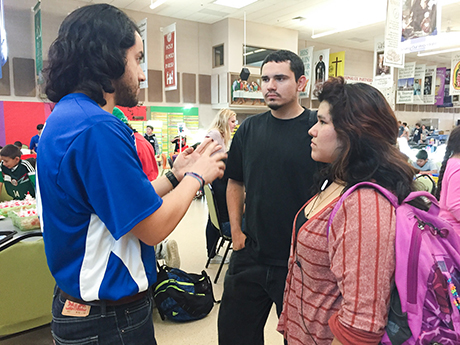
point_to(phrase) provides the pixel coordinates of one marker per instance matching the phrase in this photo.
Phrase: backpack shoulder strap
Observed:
(385, 192)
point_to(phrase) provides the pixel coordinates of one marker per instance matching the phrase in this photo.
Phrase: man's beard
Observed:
(125, 94)
(274, 106)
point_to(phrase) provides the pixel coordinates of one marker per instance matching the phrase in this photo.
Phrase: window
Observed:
(254, 56)
(218, 54)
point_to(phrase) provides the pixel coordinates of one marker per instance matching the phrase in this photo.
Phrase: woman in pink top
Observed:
(449, 181)
(339, 284)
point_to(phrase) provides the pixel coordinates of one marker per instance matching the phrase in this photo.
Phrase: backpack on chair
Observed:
(424, 307)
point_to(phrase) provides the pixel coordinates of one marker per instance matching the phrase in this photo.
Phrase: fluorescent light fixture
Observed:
(434, 52)
(326, 33)
(259, 50)
(345, 28)
(157, 3)
(234, 3)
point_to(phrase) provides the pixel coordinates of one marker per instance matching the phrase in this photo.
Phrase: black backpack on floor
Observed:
(181, 296)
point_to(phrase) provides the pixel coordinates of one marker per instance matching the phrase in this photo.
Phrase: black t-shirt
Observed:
(272, 158)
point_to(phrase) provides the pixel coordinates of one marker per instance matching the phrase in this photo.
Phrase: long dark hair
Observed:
(367, 130)
(453, 147)
(89, 52)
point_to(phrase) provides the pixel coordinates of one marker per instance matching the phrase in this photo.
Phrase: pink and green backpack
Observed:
(425, 305)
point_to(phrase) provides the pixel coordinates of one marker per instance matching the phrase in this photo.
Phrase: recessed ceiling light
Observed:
(234, 3)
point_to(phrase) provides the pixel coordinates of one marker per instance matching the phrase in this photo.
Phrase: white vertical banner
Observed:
(419, 83)
(321, 68)
(307, 57)
(142, 25)
(455, 74)
(170, 67)
(393, 27)
(383, 75)
(405, 93)
(429, 85)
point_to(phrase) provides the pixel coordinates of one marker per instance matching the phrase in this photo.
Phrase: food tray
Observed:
(24, 223)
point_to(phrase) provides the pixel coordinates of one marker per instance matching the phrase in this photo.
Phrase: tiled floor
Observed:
(191, 240)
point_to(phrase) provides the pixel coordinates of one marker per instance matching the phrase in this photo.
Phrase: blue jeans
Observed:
(125, 324)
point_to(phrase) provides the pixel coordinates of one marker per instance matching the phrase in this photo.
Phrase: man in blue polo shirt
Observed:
(100, 214)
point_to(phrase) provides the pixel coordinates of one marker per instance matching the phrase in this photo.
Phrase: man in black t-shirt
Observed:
(270, 170)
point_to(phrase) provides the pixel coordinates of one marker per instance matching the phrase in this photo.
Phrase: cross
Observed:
(337, 61)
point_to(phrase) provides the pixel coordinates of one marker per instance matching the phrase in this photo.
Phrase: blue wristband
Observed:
(199, 178)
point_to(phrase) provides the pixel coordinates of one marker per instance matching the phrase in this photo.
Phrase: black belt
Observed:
(99, 303)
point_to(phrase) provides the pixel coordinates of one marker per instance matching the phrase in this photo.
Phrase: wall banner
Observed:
(429, 85)
(170, 73)
(383, 75)
(307, 57)
(393, 56)
(455, 76)
(440, 84)
(405, 93)
(142, 25)
(337, 64)
(447, 100)
(320, 74)
(419, 83)
(420, 22)
(38, 43)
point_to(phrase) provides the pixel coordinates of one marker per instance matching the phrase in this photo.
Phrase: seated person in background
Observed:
(425, 165)
(18, 175)
(35, 139)
(18, 144)
(180, 143)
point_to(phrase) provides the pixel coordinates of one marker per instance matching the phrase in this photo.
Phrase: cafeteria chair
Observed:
(215, 220)
(26, 286)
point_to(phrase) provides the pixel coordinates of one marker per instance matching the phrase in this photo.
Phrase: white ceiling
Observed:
(320, 16)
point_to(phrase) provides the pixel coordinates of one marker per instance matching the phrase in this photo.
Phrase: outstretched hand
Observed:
(202, 161)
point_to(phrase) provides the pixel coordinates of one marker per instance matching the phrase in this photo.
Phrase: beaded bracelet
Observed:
(198, 177)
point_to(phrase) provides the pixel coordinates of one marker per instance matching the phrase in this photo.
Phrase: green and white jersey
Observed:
(19, 180)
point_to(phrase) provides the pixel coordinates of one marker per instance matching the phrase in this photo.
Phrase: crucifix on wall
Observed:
(336, 64)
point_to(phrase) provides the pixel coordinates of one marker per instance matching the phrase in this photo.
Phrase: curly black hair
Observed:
(89, 52)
